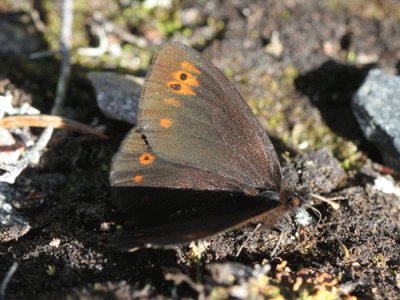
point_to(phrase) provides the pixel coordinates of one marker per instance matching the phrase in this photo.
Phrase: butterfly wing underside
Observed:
(195, 131)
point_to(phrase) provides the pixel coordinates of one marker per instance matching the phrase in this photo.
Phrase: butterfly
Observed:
(198, 162)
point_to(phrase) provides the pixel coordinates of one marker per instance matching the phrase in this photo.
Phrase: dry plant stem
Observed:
(248, 239)
(273, 253)
(42, 54)
(330, 201)
(37, 22)
(65, 45)
(6, 280)
(49, 121)
(346, 252)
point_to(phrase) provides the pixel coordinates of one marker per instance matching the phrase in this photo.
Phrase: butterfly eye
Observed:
(183, 76)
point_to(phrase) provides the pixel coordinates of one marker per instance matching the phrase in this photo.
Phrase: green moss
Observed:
(290, 73)
(219, 293)
(97, 287)
(351, 56)
(332, 5)
(218, 24)
(286, 14)
(296, 123)
(51, 270)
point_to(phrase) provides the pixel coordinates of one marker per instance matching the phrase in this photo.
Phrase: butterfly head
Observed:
(288, 197)
(292, 198)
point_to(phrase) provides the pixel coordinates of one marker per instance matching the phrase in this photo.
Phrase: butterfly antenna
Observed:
(248, 239)
(317, 212)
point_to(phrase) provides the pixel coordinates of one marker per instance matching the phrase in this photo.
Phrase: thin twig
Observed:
(44, 121)
(6, 279)
(37, 22)
(273, 253)
(65, 45)
(42, 54)
(248, 239)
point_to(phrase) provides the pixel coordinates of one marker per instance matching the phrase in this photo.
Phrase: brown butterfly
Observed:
(198, 161)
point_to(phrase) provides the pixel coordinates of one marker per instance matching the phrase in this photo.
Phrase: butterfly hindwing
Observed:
(177, 233)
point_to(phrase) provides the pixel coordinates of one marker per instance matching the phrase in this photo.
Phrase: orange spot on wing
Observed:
(146, 159)
(180, 88)
(138, 178)
(166, 123)
(190, 68)
(185, 78)
(172, 101)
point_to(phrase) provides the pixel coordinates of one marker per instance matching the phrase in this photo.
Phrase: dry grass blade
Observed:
(49, 121)
(330, 201)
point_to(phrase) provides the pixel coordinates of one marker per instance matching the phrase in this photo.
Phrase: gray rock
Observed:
(8, 214)
(117, 95)
(376, 106)
(317, 171)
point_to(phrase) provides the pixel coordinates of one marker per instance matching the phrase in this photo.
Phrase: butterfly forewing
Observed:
(198, 129)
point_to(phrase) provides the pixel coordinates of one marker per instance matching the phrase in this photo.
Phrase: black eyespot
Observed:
(183, 76)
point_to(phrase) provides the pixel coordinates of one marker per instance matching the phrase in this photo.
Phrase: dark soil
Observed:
(303, 94)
